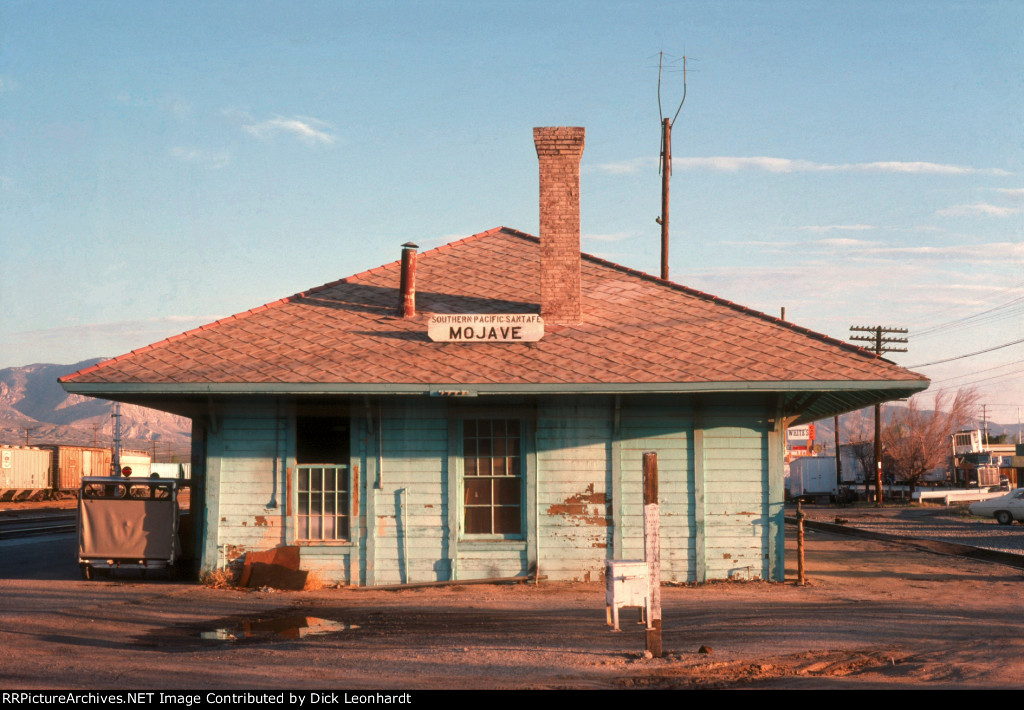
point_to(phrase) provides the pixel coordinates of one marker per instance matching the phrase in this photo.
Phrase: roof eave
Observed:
(113, 389)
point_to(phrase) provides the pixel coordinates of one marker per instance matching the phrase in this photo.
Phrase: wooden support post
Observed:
(652, 551)
(801, 580)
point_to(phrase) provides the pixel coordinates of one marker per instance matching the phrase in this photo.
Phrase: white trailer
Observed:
(813, 477)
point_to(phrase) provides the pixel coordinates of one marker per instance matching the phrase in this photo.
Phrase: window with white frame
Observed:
(492, 478)
(323, 483)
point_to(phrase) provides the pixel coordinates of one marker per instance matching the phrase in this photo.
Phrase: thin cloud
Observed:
(212, 160)
(820, 229)
(993, 252)
(613, 237)
(980, 209)
(170, 103)
(1017, 192)
(309, 130)
(844, 242)
(732, 164)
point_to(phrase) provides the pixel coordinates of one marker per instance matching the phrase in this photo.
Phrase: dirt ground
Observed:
(874, 615)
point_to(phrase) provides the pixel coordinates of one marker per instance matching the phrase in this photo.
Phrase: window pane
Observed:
(478, 521)
(506, 491)
(506, 520)
(492, 477)
(322, 503)
(478, 492)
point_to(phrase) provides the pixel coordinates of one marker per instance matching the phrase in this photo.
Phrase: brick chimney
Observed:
(559, 150)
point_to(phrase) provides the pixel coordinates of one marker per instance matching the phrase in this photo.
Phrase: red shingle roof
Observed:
(636, 329)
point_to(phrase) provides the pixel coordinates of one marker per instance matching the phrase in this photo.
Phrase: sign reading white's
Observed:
(485, 328)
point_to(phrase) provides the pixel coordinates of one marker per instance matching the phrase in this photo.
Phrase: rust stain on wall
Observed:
(579, 508)
(261, 521)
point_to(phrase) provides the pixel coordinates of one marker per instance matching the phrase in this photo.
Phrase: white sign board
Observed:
(485, 328)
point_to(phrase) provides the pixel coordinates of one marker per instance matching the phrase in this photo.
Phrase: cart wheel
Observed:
(172, 572)
(86, 571)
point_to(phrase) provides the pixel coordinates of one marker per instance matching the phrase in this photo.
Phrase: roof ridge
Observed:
(735, 306)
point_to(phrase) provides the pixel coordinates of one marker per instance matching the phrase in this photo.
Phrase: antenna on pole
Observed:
(665, 167)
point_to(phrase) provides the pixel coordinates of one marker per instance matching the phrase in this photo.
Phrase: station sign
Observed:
(485, 328)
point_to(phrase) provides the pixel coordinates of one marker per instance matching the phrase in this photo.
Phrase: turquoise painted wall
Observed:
(720, 492)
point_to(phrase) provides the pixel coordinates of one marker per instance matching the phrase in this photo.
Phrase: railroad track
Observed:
(28, 524)
(942, 547)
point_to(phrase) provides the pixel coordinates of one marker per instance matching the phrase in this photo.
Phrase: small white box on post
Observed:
(626, 585)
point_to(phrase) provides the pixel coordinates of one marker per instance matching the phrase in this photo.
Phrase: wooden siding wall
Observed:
(574, 488)
(247, 450)
(720, 492)
(667, 430)
(736, 513)
(410, 518)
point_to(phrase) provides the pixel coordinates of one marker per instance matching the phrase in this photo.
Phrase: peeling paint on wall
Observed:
(261, 521)
(580, 508)
(233, 552)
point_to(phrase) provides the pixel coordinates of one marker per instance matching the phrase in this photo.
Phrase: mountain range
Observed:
(35, 409)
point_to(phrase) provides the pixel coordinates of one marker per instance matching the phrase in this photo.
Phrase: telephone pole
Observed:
(665, 167)
(881, 342)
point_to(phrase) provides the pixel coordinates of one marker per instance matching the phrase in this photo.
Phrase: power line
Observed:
(961, 357)
(1011, 363)
(965, 320)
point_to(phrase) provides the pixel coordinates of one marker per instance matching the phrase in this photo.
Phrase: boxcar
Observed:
(70, 463)
(24, 472)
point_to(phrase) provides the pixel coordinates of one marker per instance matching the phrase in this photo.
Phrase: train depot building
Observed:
(480, 410)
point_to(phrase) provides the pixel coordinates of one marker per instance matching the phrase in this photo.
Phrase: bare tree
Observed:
(859, 434)
(915, 441)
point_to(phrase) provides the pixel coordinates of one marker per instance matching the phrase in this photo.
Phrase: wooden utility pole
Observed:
(839, 465)
(666, 171)
(652, 551)
(881, 346)
(801, 578)
(665, 167)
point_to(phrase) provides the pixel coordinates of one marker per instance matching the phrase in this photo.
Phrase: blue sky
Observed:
(164, 164)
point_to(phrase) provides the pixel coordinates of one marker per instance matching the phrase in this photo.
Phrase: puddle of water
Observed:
(283, 627)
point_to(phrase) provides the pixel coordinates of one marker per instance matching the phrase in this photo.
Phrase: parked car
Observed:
(1005, 509)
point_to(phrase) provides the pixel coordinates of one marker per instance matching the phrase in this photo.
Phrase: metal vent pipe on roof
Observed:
(407, 288)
